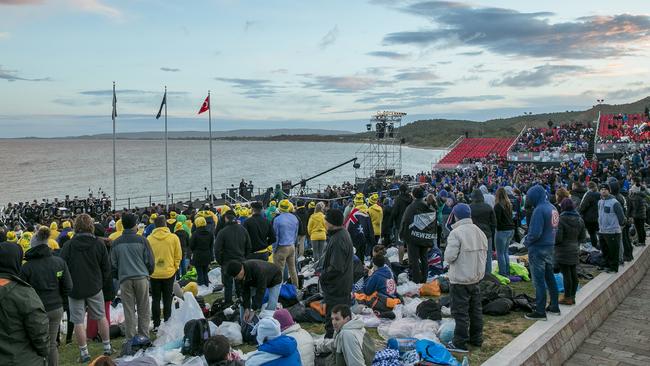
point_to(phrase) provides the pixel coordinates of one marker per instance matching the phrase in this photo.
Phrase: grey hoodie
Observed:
(487, 196)
(351, 345)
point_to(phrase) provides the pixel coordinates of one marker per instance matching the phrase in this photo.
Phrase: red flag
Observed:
(206, 105)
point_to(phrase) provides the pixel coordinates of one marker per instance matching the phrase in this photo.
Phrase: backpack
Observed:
(247, 331)
(196, 332)
(429, 309)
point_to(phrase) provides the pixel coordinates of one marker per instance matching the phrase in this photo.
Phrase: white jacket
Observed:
(466, 253)
(305, 343)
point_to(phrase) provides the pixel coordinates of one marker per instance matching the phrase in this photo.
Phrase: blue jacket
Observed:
(283, 346)
(544, 221)
(381, 281)
(285, 227)
(147, 230)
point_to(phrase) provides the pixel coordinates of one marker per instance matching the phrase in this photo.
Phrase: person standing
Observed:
(286, 226)
(505, 230)
(24, 336)
(466, 253)
(317, 231)
(337, 274)
(570, 234)
(260, 232)
(167, 255)
(610, 222)
(402, 201)
(376, 214)
(133, 262)
(637, 211)
(359, 227)
(626, 245)
(202, 248)
(233, 243)
(303, 216)
(589, 211)
(50, 278)
(89, 265)
(418, 230)
(483, 216)
(540, 242)
(184, 237)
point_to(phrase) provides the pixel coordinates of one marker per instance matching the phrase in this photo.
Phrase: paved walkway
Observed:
(624, 338)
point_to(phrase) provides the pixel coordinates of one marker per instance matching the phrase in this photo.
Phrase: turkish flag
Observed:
(206, 105)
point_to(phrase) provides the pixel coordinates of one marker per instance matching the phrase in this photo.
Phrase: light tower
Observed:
(381, 155)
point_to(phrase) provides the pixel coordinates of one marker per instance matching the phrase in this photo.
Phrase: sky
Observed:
(310, 64)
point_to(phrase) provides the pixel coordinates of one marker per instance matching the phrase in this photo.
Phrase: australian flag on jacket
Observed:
(359, 226)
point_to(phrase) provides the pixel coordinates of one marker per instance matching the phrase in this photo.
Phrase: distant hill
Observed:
(156, 135)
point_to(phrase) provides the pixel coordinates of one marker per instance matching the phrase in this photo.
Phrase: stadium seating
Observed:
(477, 148)
(623, 128)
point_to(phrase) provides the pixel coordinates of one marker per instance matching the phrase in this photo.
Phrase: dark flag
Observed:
(162, 104)
(114, 103)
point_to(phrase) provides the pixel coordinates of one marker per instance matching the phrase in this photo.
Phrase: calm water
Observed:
(35, 169)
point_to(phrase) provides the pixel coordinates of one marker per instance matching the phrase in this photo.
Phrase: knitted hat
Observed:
(285, 206)
(200, 222)
(67, 224)
(334, 217)
(567, 205)
(54, 226)
(373, 199)
(462, 211)
(267, 328)
(359, 200)
(311, 204)
(152, 218)
(11, 237)
(284, 318)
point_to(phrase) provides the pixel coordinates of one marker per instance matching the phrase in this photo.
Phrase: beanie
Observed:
(311, 204)
(267, 328)
(358, 200)
(334, 217)
(200, 222)
(418, 192)
(284, 318)
(373, 199)
(567, 205)
(285, 206)
(129, 221)
(67, 224)
(54, 226)
(462, 211)
(272, 203)
(11, 237)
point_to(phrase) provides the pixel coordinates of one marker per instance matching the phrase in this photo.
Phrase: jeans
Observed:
(135, 295)
(161, 288)
(570, 277)
(54, 317)
(592, 229)
(202, 275)
(467, 313)
(300, 246)
(286, 255)
(639, 224)
(419, 262)
(488, 260)
(182, 269)
(503, 258)
(271, 303)
(228, 284)
(541, 265)
(610, 245)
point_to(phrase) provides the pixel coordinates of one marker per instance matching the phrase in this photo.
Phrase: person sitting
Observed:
(274, 348)
(351, 344)
(380, 279)
(295, 331)
(217, 352)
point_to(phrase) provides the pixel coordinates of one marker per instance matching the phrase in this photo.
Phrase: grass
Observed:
(498, 331)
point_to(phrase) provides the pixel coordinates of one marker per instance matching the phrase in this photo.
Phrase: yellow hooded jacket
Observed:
(118, 231)
(167, 252)
(316, 227)
(54, 230)
(376, 214)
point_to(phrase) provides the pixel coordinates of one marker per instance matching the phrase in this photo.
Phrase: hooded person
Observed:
(571, 232)
(151, 225)
(54, 230)
(380, 279)
(611, 219)
(119, 228)
(294, 330)
(184, 237)
(359, 225)
(637, 212)
(487, 196)
(418, 230)
(540, 242)
(588, 209)
(274, 348)
(63, 236)
(171, 221)
(466, 253)
(376, 214)
(626, 244)
(24, 336)
(484, 217)
(271, 211)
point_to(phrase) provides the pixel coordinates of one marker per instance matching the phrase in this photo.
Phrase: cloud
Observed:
(12, 75)
(539, 76)
(279, 71)
(329, 38)
(169, 69)
(342, 84)
(419, 96)
(105, 92)
(414, 75)
(20, 2)
(473, 53)
(97, 7)
(128, 96)
(510, 32)
(627, 94)
(252, 88)
(4, 35)
(389, 54)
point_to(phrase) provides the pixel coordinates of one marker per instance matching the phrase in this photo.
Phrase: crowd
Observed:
(566, 138)
(468, 216)
(624, 128)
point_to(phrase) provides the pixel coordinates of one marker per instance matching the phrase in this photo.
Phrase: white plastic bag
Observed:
(406, 328)
(232, 331)
(195, 361)
(117, 314)
(402, 278)
(370, 320)
(173, 329)
(411, 306)
(214, 276)
(409, 289)
(446, 330)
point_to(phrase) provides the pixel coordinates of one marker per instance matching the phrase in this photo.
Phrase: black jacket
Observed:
(185, 242)
(232, 243)
(88, 262)
(401, 203)
(303, 218)
(201, 246)
(48, 275)
(387, 222)
(259, 275)
(570, 233)
(636, 206)
(419, 224)
(338, 269)
(504, 218)
(482, 214)
(589, 207)
(260, 232)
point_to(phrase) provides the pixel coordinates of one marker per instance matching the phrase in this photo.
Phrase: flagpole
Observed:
(114, 170)
(210, 127)
(166, 170)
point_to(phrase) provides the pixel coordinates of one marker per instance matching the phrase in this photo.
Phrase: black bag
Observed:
(523, 302)
(444, 284)
(301, 314)
(429, 309)
(133, 345)
(500, 306)
(247, 331)
(115, 331)
(196, 332)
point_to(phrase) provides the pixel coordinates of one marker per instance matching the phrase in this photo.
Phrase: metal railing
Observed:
(515, 140)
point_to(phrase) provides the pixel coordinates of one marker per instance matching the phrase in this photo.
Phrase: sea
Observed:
(48, 168)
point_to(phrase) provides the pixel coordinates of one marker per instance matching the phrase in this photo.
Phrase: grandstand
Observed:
(623, 128)
(475, 148)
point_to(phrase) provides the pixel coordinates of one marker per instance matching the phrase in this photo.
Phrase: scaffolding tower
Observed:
(381, 156)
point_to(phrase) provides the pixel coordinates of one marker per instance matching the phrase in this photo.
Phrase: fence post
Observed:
(149, 200)
(129, 202)
(172, 198)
